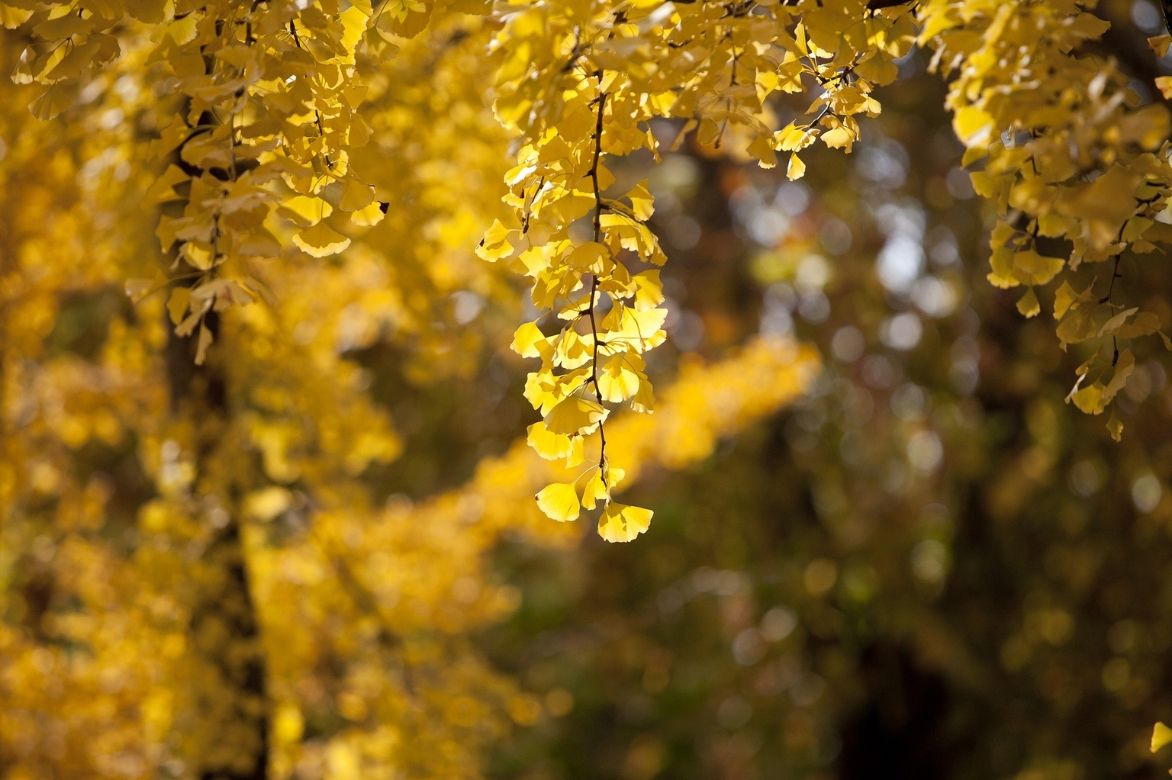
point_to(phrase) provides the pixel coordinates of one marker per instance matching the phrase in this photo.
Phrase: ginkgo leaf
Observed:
(573, 350)
(648, 289)
(599, 482)
(529, 341)
(321, 240)
(1164, 84)
(762, 150)
(1103, 206)
(559, 501)
(794, 139)
(1122, 370)
(355, 195)
(622, 523)
(305, 210)
(1089, 400)
(617, 379)
(644, 400)
(642, 204)
(369, 215)
(548, 444)
(796, 169)
(1028, 304)
(633, 235)
(1117, 321)
(1064, 298)
(879, 70)
(1031, 268)
(198, 255)
(590, 256)
(632, 329)
(1077, 326)
(575, 415)
(177, 304)
(162, 188)
(138, 289)
(839, 138)
(495, 243)
(973, 125)
(51, 102)
(595, 489)
(1161, 736)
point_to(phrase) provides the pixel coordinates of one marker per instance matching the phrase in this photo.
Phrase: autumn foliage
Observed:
(314, 316)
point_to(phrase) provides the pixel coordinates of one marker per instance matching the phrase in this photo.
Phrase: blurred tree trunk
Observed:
(230, 698)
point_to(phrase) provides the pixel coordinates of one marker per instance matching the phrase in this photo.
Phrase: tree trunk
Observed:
(230, 698)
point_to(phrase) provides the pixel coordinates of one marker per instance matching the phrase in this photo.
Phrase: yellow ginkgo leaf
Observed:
(595, 489)
(632, 329)
(590, 257)
(642, 204)
(369, 215)
(177, 303)
(648, 289)
(796, 168)
(548, 444)
(321, 240)
(1161, 736)
(793, 139)
(839, 138)
(622, 523)
(305, 210)
(495, 243)
(972, 125)
(1064, 297)
(559, 501)
(355, 195)
(617, 379)
(529, 341)
(1028, 304)
(573, 350)
(575, 415)
(1031, 268)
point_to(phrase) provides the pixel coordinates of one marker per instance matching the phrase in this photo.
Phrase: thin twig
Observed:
(593, 174)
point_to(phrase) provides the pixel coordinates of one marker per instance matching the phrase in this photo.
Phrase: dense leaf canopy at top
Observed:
(218, 559)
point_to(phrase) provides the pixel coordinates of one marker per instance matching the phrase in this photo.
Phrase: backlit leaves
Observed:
(270, 139)
(1063, 151)
(620, 523)
(580, 84)
(559, 501)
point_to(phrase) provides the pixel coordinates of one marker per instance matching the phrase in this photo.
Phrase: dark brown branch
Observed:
(593, 174)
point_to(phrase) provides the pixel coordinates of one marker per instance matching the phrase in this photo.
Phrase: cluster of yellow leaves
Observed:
(440, 302)
(264, 140)
(254, 122)
(594, 358)
(70, 618)
(581, 84)
(336, 581)
(105, 676)
(1068, 155)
